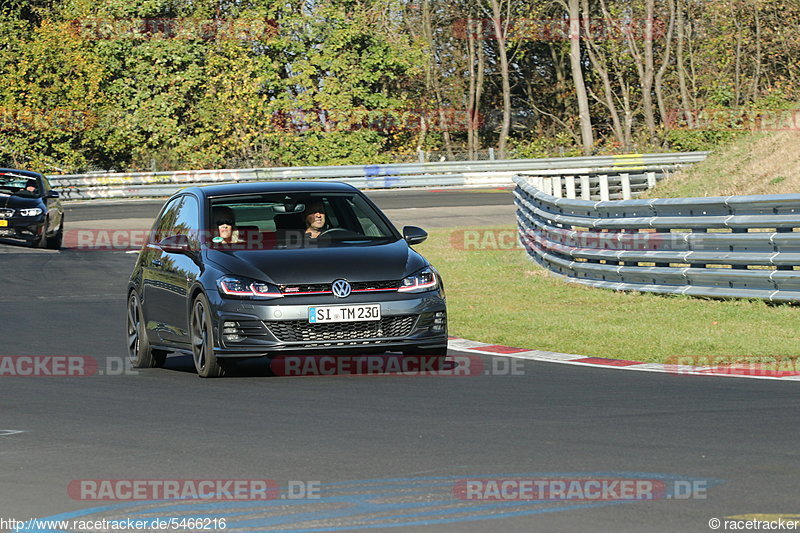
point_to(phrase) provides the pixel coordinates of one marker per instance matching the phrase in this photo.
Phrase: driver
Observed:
(225, 223)
(314, 216)
(30, 186)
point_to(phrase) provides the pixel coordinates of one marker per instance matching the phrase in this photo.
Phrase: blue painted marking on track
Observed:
(361, 496)
(447, 520)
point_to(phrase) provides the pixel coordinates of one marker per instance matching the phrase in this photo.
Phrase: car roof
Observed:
(270, 187)
(18, 172)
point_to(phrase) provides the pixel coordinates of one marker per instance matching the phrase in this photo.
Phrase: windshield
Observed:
(18, 183)
(297, 220)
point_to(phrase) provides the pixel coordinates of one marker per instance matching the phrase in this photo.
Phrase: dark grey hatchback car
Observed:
(261, 269)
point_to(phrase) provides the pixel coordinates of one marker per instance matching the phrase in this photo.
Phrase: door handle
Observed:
(156, 262)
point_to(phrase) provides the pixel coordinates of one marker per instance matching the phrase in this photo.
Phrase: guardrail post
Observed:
(586, 189)
(604, 196)
(556, 181)
(491, 154)
(667, 236)
(651, 179)
(570, 183)
(626, 186)
(421, 155)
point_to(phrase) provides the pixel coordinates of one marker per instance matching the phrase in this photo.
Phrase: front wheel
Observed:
(40, 241)
(205, 361)
(54, 242)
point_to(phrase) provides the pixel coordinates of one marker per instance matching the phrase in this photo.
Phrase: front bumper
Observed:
(247, 328)
(26, 228)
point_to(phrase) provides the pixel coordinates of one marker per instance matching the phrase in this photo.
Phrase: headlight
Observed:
(424, 280)
(244, 288)
(34, 211)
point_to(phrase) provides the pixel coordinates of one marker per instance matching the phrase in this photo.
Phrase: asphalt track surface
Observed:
(388, 452)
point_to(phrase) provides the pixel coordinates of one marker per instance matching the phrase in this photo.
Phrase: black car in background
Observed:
(29, 209)
(261, 269)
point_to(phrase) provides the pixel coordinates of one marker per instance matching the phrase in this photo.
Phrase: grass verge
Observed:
(757, 163)
(502, 297)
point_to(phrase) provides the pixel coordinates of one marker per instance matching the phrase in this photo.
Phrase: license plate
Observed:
(3, 223)
(344, 313)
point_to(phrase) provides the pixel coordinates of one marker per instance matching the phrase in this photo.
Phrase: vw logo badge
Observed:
(341, 289)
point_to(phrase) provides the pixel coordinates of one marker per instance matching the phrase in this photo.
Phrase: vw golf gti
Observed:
(247, 270)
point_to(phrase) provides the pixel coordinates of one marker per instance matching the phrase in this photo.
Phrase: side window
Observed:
(368, 227)
(163, 226)
(45, 185)
(187, 221)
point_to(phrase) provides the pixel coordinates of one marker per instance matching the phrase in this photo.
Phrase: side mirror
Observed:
(52, 194)
(176, 244)
(414, 235)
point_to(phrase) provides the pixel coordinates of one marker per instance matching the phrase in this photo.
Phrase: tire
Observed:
(54, 242)
(159, 357)
(202, 336)
(140, 355)
(41, 240)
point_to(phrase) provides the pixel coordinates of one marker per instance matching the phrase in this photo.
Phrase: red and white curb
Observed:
(780, 371)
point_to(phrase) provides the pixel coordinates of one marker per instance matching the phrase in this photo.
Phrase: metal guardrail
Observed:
(736, 246)
(600, 183)
(448, 173)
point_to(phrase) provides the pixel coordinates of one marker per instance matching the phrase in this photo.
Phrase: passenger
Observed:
(225, 224)
(314, 216)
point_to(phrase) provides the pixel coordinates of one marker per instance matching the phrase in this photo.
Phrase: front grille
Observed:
(289, 290)
(375, 285)
(303, 331)
(6, 213)
(325, 288)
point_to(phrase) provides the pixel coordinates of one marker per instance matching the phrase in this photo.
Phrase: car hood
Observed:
(321, 265)
(18, 202)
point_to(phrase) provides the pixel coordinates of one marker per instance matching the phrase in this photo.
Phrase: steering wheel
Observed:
(332, 232)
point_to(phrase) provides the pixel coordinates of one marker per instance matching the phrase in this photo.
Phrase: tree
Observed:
(587, 135)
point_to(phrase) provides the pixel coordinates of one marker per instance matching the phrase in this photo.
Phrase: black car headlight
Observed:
(31, 212)
(247, 288)
(424, 280)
